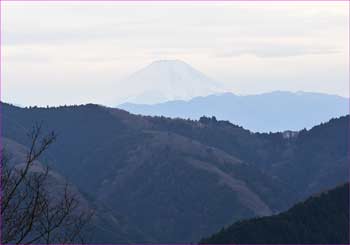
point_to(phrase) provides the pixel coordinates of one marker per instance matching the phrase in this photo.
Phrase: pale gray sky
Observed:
(66, 52)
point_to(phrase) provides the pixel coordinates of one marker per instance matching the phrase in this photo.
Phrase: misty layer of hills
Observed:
(162, 180)
(173, 88)
(321, 219)
(275, 111)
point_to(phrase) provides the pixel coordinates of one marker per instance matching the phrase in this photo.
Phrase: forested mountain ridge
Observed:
(164, 176)
(321, 219)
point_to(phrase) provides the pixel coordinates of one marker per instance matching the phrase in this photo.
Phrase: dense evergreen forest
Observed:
(321, 219)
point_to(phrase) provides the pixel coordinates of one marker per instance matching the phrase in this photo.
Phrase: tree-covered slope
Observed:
(160, 181)
(321, 219)
(165, 176)
(318, 158)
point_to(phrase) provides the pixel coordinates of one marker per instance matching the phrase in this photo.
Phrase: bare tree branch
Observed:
(30, 212)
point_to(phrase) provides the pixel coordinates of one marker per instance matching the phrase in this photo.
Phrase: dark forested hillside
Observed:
(156, 179)
(317, 158)
(321, 219)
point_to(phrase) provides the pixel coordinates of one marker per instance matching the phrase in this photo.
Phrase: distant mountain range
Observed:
(165, 80)
(161, 180)
(269, 112)
(321, 219)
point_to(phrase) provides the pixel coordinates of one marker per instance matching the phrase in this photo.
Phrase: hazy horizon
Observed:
(214, 94)
(68, 53)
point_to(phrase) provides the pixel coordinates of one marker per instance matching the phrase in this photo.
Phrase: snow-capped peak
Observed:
(165, 80)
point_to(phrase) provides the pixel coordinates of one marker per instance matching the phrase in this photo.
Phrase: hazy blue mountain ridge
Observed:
(275, 111)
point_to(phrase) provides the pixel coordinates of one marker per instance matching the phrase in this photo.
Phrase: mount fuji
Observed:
(167, 80)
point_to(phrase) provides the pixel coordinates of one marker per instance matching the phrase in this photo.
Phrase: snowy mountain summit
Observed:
(166, 80)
